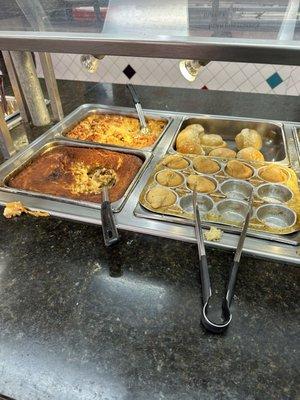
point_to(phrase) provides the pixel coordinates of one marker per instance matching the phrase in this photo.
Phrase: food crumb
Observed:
(16, 208)
(213, 235)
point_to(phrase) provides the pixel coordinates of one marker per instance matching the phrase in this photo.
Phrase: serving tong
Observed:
(144, 129)
(204, 273)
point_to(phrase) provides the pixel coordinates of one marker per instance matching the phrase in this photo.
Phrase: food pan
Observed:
(116, 206)
(229, 196)
(84, 111)
(272, 133)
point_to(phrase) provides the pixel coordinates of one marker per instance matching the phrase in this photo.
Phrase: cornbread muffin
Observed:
(205, 165)
(223, 152)
(79, 173)
(210, 141)
(169, 178)
(120, 130)
(200, 184)
(238, 170)
(248, 138)
(250, 154)
(175, 161)
(160, 197)
(273, 173)
(188, 140)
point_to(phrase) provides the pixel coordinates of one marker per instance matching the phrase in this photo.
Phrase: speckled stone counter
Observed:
(78, 321)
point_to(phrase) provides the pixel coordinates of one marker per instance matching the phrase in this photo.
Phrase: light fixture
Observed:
(191, 68)
(90, 62)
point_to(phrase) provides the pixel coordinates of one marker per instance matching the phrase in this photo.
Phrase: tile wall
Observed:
(243, 77)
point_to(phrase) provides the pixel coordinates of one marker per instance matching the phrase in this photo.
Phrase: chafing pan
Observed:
(272, 133)
(116, 206)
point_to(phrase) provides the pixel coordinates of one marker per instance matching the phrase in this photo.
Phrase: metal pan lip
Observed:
(130, 112)
(54, 142)
(238, 182)
(270, 199)
(206, 173)
(210, 177)
(241, 179)
(287, 173)
(169, 169)
(165, 187)
(278, 206)
(178, 169)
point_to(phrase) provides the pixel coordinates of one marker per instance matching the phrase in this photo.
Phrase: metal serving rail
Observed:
(127, 218)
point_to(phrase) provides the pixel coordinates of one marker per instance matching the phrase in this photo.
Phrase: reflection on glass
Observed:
(246, 19)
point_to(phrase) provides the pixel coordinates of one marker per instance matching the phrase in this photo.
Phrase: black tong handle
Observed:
(109, 229)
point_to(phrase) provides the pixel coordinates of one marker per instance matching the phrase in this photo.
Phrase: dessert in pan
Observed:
(224, 186)
(78, 173)
(119, 130)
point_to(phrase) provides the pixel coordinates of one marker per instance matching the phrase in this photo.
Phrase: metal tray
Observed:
(131, 217)
(297, 140)
(274, 143)
(256, 229)
(83, 111)
(116, 206)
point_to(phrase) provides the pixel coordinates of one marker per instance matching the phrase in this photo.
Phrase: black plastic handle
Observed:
(133, 93)
(109, 229)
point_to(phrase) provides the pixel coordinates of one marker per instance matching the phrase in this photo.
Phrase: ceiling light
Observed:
(90, 63)
(191, 68)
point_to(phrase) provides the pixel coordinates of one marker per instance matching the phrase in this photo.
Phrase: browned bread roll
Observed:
(238, 170)
(205, 165)
(200, 184)
(248, 138)
(223, 152)
(188, 140)
(250, 154)
(273, 173)
(160, 197)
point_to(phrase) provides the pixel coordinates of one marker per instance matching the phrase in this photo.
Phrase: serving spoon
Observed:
(144, 129)
(109, 229)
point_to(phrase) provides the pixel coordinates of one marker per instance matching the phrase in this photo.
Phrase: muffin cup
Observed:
(176, 172)
(204, 176)
(232, 211)
(276, 216)
(207, 173)
(234, 177)
(274, 183)
(204, 202)
(166, 187)
(236, 189)
(274, 193)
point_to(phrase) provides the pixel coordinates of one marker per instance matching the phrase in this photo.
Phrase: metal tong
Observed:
(204, 273)
(144, 128)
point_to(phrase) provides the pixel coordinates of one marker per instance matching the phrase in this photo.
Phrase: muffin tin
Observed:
(275, 205)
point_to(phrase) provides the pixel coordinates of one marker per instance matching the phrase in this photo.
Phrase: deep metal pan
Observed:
(116, 206)
(273, 136)
(83, 111)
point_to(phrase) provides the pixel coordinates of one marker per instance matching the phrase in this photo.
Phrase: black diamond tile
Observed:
(129, 71)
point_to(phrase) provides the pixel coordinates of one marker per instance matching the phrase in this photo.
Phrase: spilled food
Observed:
(16, 208)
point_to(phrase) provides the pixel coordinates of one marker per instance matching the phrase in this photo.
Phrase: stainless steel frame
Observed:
(219, 49)
(126, 219)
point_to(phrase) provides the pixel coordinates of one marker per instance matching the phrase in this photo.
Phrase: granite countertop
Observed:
(78, 321)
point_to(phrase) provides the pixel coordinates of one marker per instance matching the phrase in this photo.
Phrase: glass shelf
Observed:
(247, 30)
